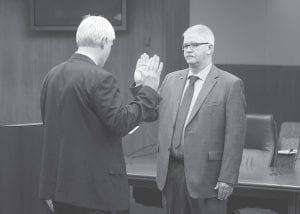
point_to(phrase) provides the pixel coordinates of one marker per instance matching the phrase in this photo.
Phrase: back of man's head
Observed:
(93, 31)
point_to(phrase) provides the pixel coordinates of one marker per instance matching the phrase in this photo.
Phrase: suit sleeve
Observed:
(235, 131)
(43, 99)
(153, 114)
(118, 117)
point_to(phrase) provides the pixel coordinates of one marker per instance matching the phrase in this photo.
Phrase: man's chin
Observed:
(190, 61)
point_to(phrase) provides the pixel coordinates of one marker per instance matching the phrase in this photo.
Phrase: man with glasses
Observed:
(202, 126)
(83, 168)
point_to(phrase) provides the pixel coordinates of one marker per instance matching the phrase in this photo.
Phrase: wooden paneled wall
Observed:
(270, 89)
(154, 27)
(172, 21)
(26, 56)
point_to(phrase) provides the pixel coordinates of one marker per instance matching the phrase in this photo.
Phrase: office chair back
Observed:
(261, 140)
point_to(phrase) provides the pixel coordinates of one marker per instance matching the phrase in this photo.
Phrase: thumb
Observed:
(217, 186)
(161, 65)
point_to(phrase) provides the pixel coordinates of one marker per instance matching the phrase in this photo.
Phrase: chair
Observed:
(289, 139)
(20, 157)
(260, 150)
(261, 140)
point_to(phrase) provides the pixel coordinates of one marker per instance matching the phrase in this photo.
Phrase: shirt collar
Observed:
(88, 56)
(202, 74)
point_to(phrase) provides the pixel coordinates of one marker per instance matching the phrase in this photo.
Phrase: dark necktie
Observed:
(183, 111)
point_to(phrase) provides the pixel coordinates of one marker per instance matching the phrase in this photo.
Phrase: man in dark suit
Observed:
(83, 169)
(202, 127)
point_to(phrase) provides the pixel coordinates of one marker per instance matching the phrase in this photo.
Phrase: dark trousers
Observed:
(62, 208)
(176, 199)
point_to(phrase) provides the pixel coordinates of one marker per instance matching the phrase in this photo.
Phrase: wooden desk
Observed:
(273, 181)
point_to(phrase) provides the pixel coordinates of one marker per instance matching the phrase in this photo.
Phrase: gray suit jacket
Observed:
(214, 134)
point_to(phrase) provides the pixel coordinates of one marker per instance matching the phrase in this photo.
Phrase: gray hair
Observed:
(203, 31)
(93, 31)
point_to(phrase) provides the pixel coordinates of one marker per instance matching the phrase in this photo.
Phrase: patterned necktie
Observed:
(183, 111)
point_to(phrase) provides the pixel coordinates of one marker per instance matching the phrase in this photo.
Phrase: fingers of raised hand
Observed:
(154, 64)
(150, 64)
(138, 62)
(161, 65)
(144, 58)
(142, 61)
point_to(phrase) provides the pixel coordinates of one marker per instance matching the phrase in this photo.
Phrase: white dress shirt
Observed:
(197, 87)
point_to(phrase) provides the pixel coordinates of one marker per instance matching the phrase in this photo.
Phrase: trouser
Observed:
(63, 208)
(176, 199)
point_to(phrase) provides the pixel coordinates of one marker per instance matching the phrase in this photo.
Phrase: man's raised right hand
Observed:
(150, 75)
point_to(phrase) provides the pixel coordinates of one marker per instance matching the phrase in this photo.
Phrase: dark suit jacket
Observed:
(84, 120)
(214, 134)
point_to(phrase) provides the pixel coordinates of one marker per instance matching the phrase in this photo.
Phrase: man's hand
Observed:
(148, 71)
(141, 66)
(224, 190)
(151, 75)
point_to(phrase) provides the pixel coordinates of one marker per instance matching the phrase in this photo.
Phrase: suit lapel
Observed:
(208, 84)
(179, 84)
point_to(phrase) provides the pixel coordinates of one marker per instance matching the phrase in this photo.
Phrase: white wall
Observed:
(261, 32)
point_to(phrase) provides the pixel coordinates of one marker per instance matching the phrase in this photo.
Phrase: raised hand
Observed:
(151, 74)
(141, 66)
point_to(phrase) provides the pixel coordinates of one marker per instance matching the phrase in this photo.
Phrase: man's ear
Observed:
(210, 49)
(103, 42)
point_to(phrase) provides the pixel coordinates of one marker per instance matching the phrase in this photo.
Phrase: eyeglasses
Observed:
(193, 45)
